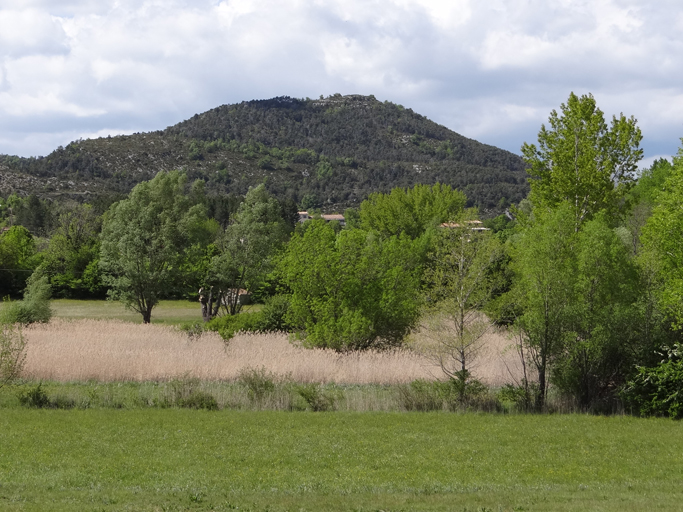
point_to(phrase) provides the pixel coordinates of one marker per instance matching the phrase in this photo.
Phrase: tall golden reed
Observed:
(112, 350)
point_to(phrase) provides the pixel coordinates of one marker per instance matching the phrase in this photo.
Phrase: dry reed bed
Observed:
(111, 350)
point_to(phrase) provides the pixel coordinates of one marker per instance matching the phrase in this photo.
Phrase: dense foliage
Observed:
(147, 238)
(579, 160)
(350, 290)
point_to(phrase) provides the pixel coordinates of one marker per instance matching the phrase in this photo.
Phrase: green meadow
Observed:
(110, 453)
(174, 459)
(167, 312)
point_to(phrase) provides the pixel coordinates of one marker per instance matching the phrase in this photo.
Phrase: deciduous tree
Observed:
(351, 290)
(545, 270)
(579, 159)
(411, 211)
(245, 251)
(459, 284)
(145, 239)
(662, 237)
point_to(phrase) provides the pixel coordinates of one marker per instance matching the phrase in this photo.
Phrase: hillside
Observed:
(328, 153)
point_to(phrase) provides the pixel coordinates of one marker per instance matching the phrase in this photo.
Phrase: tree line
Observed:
(585, 275)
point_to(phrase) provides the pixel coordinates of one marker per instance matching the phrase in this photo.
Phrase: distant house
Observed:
(475, 225)
(304, 216)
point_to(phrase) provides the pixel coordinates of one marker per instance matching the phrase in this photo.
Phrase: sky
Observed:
(490, 70)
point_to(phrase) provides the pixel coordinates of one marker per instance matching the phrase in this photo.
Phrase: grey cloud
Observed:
(491, 70)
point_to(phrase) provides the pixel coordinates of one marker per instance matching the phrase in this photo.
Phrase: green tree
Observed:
(545, 266)
(245, 252)
(73, 252)
(651, 182)
(599, 353)
(351, 290)
(146, 239)
(35, 306)
(579, 159)
(411, 211)
(459, 285)
(662, 235)
(18, 259)
(34, 214)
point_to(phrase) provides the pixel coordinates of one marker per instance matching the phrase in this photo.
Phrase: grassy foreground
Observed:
(195, 460)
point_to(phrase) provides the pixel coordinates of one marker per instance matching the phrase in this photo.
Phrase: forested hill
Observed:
(328, 153)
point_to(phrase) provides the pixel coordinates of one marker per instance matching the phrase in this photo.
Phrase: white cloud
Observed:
(490, 70)
(30, 32)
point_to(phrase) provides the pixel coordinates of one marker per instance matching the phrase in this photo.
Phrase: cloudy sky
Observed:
(491, 70)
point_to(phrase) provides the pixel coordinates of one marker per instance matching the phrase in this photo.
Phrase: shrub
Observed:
(199, 400)
(192, 329)
(185, 393)
(274, 312)
(422, 395)
(522, 397)
(229, 325)
(35, 397)
(453, 394)
(35, 307)
(658, 391)
(259, 382)
(12, 353)
(317, 398)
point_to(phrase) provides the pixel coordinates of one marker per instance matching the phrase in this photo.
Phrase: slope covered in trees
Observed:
(329, 153)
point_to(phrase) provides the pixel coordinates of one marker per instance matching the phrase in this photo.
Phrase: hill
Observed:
(328, 153)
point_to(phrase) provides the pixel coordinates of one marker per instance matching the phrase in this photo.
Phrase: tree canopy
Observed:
(579, 159)
(351, 290)
(145, 240)
(411, 211)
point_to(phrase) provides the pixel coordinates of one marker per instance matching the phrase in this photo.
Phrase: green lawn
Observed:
(167, 312)
(196, 460)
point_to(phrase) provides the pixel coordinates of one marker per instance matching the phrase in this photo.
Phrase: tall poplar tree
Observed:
(582, 160)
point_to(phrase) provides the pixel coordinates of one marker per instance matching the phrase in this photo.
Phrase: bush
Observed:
(35, 397)
(35, 307)
(453, 394)
(184, 393)
(192, 329)
(422, 395)
(522, 397)
(317, 398)
(12, 353)
(229, 325)
(259, 382)
(274, 312)
(658, 391)
(199, 400)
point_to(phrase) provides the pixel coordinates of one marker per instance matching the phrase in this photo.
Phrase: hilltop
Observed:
(328, 153)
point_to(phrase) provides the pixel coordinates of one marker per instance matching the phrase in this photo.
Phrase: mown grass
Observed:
(167, 312)
(196, 460)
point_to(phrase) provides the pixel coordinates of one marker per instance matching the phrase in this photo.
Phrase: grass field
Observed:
(125, 445)
(195, 460)
(166, 312)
